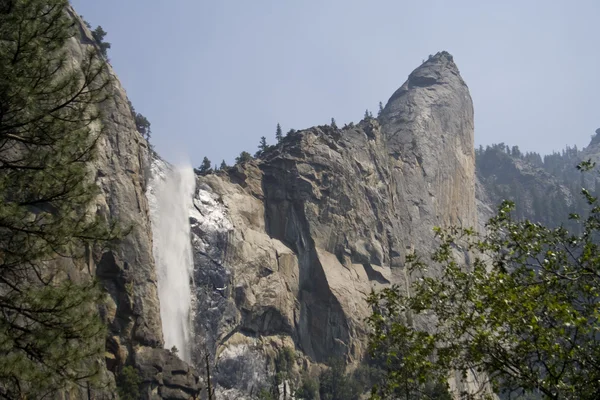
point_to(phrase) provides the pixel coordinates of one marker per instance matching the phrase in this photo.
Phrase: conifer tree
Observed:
(98, 34)
(368, 114)
(141, 122)
(380, 111)
(50, 334)
(243, 157)
(278, 133)
(223, 165)
(205, 166)
(262, 146)
(333, 124)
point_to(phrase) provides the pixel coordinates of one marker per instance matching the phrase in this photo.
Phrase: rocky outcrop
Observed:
(287, 247)
(127, 269)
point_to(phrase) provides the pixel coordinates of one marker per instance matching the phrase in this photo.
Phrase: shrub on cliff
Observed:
(128, 384)
(98, 34)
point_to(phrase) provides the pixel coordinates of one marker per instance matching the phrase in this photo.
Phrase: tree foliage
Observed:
(141, 123)
(205, 167)
(128, 384)
(523, 312)
(262, 147)
(49, 125)
(278, 133)
(243, 157)
(98, 34)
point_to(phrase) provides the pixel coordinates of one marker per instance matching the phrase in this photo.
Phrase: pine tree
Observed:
(368, 114)
(205, 166)
(333, 124)
(380, 111)
(141, 123)
(223, 165)
(278, 133)
(50, 334)
(98, 34)
(291, 132)
(243, 157)
(262, 146)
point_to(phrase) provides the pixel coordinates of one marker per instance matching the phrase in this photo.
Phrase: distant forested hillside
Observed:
(547, 188)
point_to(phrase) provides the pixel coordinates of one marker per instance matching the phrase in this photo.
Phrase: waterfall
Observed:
(170, 195)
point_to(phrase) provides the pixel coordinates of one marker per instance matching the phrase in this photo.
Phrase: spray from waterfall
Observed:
(171, 197)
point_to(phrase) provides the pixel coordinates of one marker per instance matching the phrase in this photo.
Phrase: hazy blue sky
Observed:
(214, 76)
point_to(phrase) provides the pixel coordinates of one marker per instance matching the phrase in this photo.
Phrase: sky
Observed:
(214, 76)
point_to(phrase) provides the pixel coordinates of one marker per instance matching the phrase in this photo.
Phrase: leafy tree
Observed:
(243, 157)
(380, 111)
(128, 384)
(98, 34)
(205, 166)
(333, 124)
(524, 312)
(278, 134)
(50, 333)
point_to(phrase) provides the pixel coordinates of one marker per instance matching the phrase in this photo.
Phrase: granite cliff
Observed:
(127, 270)
(287, 246)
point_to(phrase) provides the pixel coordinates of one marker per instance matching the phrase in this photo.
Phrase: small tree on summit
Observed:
(262, 147)
(380, 110)
(368, 114)
(205, 167)
(243, 157)
(333, 124)
(278, 134)
(223, 165)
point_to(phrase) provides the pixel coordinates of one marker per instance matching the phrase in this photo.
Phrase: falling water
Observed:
(170, 195)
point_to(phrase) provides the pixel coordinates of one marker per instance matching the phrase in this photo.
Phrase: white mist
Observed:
(170, 194)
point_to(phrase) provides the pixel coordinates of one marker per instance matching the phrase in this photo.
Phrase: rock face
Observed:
(288, 247)
(127, 270)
